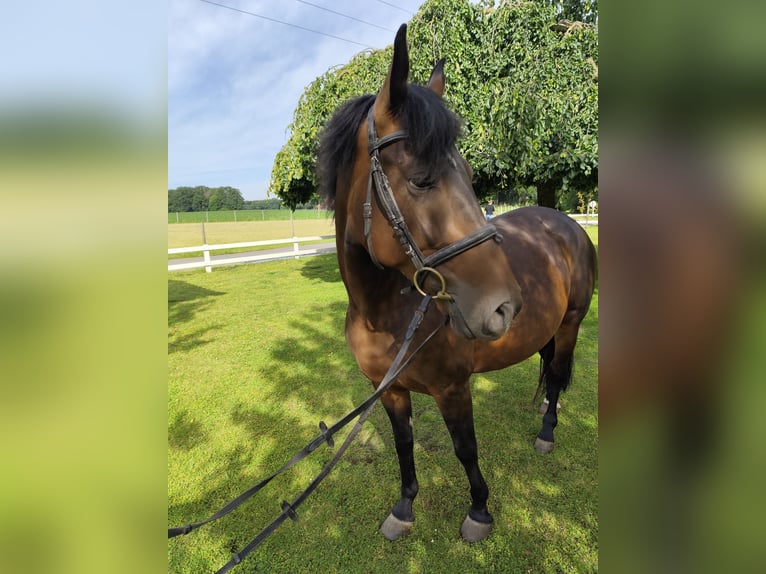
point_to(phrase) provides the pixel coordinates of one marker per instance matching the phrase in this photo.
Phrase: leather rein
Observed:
(387, 203)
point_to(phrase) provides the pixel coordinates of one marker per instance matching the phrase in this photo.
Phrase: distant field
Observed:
(190, 234)
(247, 215)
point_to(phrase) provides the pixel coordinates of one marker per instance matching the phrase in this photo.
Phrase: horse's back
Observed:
(544, 220)
(539, 234)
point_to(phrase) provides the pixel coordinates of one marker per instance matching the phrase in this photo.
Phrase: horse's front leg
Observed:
(456, 407)
(398, 405)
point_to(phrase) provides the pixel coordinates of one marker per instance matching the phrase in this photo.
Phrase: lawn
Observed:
(216, 233)
(257, 357)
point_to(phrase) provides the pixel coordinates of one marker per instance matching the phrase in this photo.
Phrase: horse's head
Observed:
(408, 175)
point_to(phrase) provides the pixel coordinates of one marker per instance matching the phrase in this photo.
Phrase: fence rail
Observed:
(272, 255)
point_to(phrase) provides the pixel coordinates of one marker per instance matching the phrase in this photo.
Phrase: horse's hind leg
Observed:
(555, 374)
(544, 406)
(456, 407)
(398, 406)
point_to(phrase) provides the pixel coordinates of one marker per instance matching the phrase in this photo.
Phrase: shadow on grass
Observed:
(185, 432)
(185, 302)
(322, 268)
(182, 291)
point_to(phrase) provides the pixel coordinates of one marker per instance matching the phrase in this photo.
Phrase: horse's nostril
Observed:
(509, 309)
(500, 320)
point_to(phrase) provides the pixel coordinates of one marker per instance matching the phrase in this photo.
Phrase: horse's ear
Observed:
(436, 81)
(394, 90)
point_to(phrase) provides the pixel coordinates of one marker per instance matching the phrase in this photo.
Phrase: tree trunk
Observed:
(546, 194)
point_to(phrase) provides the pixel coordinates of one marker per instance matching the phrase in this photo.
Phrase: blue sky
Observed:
(234, 79)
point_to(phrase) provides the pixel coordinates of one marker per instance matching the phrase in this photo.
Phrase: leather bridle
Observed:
(387, 203)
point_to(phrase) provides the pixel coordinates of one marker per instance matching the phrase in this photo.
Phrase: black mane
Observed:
(432, 128)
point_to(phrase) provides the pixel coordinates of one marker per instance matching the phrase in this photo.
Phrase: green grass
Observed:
(257, 357)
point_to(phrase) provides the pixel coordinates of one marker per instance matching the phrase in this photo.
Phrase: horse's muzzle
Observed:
(487, 324)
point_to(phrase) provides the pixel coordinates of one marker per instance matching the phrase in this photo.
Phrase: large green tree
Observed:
(525, 86)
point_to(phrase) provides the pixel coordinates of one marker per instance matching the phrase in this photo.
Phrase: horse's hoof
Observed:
(393, 528)
(473, 531)
(544, 407)
(543, 446)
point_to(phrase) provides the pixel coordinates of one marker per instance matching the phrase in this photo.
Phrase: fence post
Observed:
(292, 230)
(205, 253)
(235, 216)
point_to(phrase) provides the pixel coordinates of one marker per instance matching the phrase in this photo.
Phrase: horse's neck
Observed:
(374, 292)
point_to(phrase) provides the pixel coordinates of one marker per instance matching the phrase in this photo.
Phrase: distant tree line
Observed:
(202, 198)
(273, 203)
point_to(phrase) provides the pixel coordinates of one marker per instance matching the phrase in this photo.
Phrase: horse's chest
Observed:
(369, 347)
(438, 361)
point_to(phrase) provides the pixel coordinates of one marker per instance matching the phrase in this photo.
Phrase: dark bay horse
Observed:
(518, 286)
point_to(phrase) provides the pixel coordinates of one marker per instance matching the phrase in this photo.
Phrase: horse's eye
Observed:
(418, 185)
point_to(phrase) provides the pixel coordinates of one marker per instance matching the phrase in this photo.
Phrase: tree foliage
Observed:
(525, 87)
(575, 10)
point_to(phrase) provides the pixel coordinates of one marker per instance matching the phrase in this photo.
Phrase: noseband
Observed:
(379, 182)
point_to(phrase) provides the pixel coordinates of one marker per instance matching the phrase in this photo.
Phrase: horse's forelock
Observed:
(433, 129)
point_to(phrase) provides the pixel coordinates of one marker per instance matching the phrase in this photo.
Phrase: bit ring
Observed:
(442, 294)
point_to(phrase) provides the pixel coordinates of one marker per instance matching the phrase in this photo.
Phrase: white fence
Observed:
(584, 219)
(272, 255)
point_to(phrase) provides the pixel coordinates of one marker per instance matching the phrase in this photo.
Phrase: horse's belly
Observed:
(526, 337)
